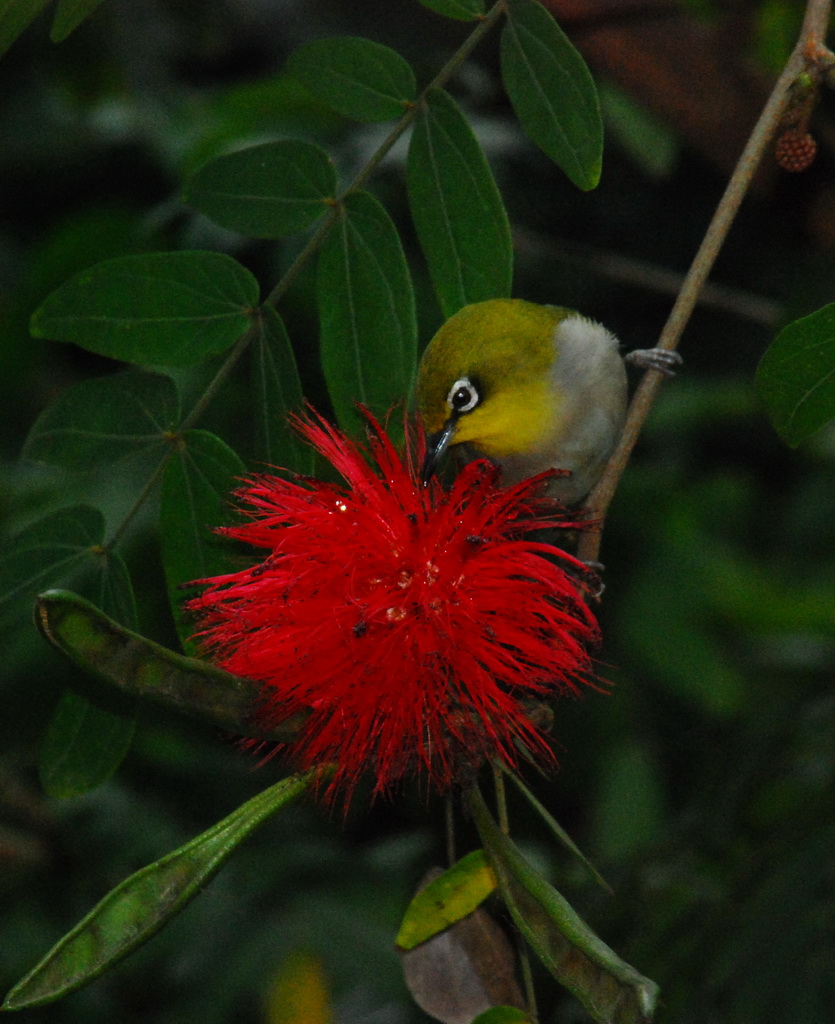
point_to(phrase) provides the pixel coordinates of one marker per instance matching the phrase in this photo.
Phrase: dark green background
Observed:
(702, 786)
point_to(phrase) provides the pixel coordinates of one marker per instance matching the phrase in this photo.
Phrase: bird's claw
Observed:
(662, 359)
(591, 577)
(597, 584)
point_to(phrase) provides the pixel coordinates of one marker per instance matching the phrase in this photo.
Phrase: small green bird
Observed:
(529, 387)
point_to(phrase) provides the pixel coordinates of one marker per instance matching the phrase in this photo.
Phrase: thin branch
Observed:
(645, 276)
(501, 800)
(809, 55)
(521, 946)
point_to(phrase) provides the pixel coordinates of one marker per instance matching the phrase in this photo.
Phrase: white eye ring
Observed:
(463, 396)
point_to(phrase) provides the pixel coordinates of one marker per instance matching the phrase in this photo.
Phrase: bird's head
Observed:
(485, 380)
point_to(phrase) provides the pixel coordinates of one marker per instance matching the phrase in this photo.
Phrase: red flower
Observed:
(416, 627)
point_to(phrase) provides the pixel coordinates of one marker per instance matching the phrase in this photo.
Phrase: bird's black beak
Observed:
(436, 445)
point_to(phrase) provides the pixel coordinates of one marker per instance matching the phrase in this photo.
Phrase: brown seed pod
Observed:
(795, 150)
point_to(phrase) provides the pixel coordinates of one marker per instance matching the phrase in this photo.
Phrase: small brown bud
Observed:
(795, 150)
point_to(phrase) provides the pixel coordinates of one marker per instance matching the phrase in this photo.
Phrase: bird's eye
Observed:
(462, 396)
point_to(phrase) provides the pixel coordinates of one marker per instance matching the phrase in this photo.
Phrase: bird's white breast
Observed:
(589, 379)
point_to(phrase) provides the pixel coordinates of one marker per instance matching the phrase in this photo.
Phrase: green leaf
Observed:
(97, 422)
(196, 491)
(650, 143)
(367, 310)
(611, 990)
(461, 10)
(265, 191)
(173, 308)
(459, 215)
(115, 590)
(86, 742)
(69, 14)
(83, 746)
(796, 376)
(451, 896)
(120, 661)
(552, 91)
(136, 910)
(15, 16)
(276, 391)
(559, 832)
(276, 107)
(49, 551)
(357, 77)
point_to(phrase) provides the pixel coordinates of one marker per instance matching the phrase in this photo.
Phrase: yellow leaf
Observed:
(299, 992)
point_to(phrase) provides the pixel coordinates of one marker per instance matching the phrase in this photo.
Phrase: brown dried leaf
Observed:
(464, 970)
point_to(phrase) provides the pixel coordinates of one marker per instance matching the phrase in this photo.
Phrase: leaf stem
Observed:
(186, 423)
(469, 44)
(219, 379)
(313, 244)
(377, 157)
(531, 1007)
(501, 800)
(809, 55)
(522, 951)
(135, 508)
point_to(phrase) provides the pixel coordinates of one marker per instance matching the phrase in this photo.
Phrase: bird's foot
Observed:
(662, 359)
(591, 578)
(597, 584)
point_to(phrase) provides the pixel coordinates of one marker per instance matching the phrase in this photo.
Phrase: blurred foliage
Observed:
(702, 785)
